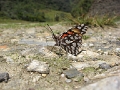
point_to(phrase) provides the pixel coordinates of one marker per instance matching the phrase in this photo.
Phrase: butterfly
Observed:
(71, 40)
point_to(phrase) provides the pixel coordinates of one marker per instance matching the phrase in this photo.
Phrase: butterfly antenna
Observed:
(50, 29)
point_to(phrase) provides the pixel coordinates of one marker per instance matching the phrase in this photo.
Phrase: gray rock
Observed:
(71, 73)
(4, 77)
(110, 83)
(104, 66)
(38, 66)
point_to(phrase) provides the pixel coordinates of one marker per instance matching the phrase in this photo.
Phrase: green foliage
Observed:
(81, 7)
(31, 10)
(85, 37)
(96, 20)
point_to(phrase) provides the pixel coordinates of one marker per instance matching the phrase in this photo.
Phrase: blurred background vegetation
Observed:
(43, 10)
(51, 10)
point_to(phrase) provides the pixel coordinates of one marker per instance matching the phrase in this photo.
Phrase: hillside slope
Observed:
(105, 7)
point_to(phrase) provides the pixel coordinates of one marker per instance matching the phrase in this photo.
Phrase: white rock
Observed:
(85, 44)
(91, 45)
(46, 52)
(88, 54)
(38, 66)
(68, 80)
(83, 54)
(117, 50)
(80, 65)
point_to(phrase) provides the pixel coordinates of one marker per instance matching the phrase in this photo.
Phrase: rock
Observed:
(80, 65)
(89, 54)
(83, 54)
(4, 77)
(68, 80)
(46, 52)
(110, 83)
(91, 45)
(9, 60)
(84, 44)
(38, 66)
(44, 75)
(104, 66)
(71, 73)
(117, 50)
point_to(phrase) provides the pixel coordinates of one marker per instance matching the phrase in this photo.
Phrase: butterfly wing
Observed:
(71, 40)
(72, 43)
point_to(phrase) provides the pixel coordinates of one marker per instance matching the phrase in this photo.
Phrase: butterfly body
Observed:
(71, 40)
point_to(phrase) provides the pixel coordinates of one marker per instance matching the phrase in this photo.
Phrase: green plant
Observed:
(96, 20)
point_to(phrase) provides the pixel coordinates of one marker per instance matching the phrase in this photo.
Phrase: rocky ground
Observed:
(26, 54)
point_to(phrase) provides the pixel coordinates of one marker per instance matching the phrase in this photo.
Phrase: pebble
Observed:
(89, 53)
(80, 65)
(83, 54)
(117, 50)
(68, 80)
(104, 66)
(38, 66)
(91, 45)
(4, 77)
(71, 73)
(44, 75)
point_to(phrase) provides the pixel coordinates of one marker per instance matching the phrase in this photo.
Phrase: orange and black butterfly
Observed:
(71, 40)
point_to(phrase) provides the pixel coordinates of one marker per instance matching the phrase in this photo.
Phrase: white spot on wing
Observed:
(82, 25)
(74, 44)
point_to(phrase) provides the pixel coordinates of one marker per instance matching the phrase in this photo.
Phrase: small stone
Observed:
(38, 66)
(71, 73)
(91, 45)
(84, 44)
(88, 54)
(44, 75)
(62, 75)
(4, 77)
(80, 65)
(68, 80)
(117, 50)
(106, 53)
(104, 66)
